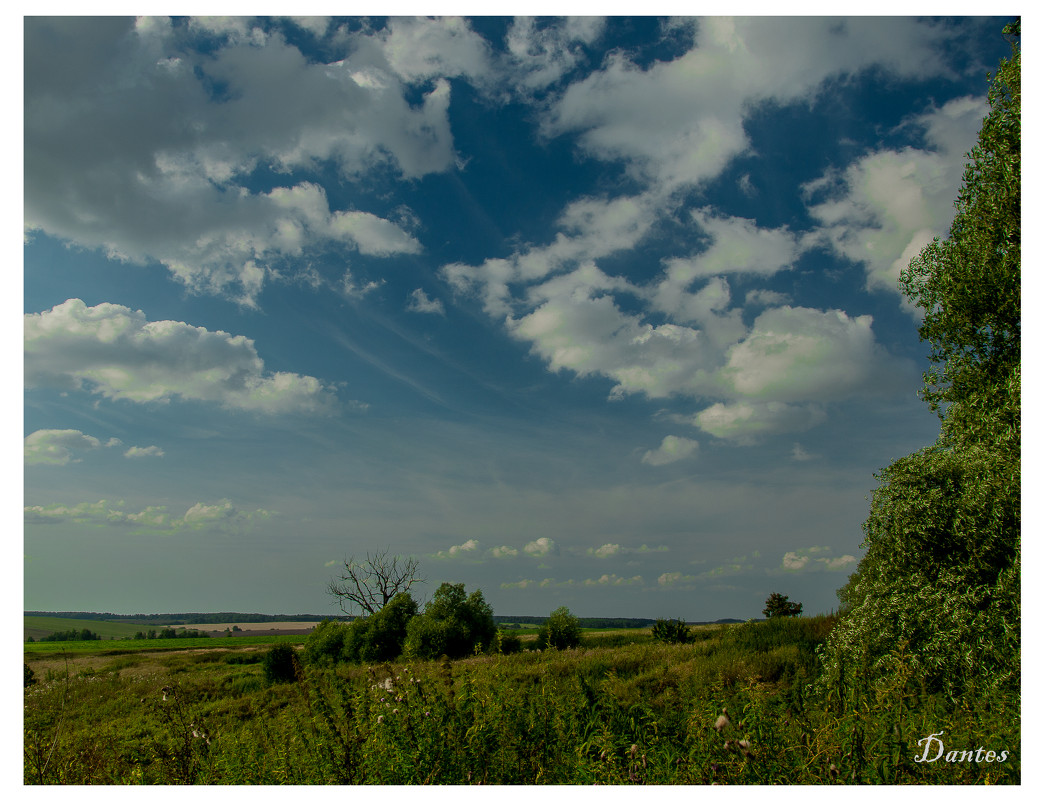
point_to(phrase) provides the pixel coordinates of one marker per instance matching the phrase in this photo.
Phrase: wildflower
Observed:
(833, 770)
(396, 711)
(381, 718)
(633, 750)
(722, 723)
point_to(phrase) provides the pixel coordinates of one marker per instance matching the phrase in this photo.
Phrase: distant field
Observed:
(37, 627)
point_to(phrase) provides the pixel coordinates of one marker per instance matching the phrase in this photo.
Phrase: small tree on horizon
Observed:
(779, 605)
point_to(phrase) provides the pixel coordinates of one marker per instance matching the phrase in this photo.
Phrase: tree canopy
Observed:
(938, 588)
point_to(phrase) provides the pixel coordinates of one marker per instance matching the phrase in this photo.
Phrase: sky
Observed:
(589, 312)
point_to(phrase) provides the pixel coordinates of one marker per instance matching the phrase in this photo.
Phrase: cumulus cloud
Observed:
(672, 449)
(115, 352)
(221, 516)
(57, 446)
(467, 548)
(612, 580)
(811, 559)
(542, 546)
(744, 423)
(541, 54)
(673, 578)
(140, 137)
(420, 302)
(142, 453)
(503, 552)
(679, 122)
(798, 354)
(884, 208)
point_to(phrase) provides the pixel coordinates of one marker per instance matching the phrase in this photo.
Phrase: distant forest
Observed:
(197, 618)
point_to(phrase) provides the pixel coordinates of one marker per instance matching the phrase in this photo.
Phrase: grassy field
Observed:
(42, 626)
(619, 710)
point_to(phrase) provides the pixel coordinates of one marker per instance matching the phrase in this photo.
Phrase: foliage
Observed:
(938, 591)
(508, 642)
(560, 630)
(74, 634)
(453, 625)
(325, 644)
(730, 708)
(30, 675)
(370, 584)
(384, 633)
(671, 631)
(969, 286)
(779, 605)
(281, 664)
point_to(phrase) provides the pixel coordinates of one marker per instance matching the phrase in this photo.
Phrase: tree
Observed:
(370, 584)
(561, 630)
(778, 605)
(938, 588)
(281, 664)
(671, 631)
(969, 286)
(453, 624)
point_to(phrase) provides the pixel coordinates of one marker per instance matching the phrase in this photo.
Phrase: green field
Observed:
(37, 627)
(620, 709)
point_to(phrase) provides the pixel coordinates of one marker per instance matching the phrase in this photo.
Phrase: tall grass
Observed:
(634, 713)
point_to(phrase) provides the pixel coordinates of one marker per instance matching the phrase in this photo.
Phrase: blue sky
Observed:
(600, 313)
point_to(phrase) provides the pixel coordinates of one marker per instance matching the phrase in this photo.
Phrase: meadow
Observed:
(736, 705)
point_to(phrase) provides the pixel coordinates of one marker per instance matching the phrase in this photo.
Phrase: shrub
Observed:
(671, 631)
(324, 645)
(453, 625)
(779, 605)
(281, 665)
(561, 630)
(508, 642)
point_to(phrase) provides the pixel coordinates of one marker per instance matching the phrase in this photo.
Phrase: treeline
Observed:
(514, 621)
(67, 636)
(170, 634)
(189, 618)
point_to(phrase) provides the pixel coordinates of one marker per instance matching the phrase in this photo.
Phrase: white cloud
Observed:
(221, 516)
(885, 207)
(801, 354)
(139, 453)
(138, 142)
(542, 55)
(115, 352)
(542, 546)
(57, 446)
(612, 580)
(503, 552)
(420, 302)
(673, 578)
(672, 449)
(744, 423)
(605, 551)
(809, 559)
(680, 122)
(468, 548)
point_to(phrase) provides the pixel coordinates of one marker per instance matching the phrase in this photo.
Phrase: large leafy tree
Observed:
(939, 585)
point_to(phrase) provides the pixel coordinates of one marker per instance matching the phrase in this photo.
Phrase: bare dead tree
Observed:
(371, 584)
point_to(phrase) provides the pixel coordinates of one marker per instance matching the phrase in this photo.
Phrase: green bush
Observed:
(508, 642)
(671, 631)
(561, 630)
(324, 645)
(281, 665)
(453, 625)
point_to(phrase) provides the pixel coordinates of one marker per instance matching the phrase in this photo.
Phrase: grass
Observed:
(623, 711)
